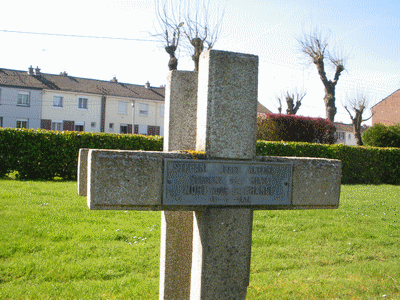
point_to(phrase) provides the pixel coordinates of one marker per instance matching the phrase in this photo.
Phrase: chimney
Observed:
(114, 79)
(37, 71)
(147, 85)
(30, 70)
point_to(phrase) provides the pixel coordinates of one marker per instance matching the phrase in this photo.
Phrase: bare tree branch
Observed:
(358, 105)
(169, 18)
(293, 100)
(280, 104)
(315, 46)
(200, 25)
(199, 29)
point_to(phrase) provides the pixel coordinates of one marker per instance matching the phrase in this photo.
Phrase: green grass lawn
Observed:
(53, 247)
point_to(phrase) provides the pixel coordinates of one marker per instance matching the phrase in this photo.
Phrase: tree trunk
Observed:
(292, 109)
(198, 46)
(173, 61)
(196, 59)
(330, 110)
(329, 85)
(357, 127)
(356, 121)
(329, 100)
(357, 135)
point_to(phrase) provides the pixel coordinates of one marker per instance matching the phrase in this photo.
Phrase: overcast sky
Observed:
(368, 31)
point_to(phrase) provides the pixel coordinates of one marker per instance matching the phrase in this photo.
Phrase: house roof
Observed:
(386, 98)
(348, 127)
(64, 82)
(262, 109)
(20, 79)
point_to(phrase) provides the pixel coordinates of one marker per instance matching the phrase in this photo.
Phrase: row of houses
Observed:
(32, 99)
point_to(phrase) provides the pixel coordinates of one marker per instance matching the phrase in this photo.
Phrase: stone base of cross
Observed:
(207, 200)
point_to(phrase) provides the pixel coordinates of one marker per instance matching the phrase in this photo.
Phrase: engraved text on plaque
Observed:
(213, 182)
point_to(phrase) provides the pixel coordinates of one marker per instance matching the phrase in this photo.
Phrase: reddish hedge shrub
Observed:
(292, 128)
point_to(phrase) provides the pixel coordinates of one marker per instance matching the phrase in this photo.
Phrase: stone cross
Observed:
(207, 199)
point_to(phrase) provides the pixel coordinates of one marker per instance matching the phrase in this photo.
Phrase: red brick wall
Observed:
(387, 112)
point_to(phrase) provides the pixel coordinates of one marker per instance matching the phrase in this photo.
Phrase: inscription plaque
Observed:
(214, 182)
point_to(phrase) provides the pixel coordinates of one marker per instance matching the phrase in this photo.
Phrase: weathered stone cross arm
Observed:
(135, 180)
(207, 200)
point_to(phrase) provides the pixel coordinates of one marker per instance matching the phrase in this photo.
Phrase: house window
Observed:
(22, 123)
(1, 121)
(0, 96)
(56, 125)
(153, 130)
(83, 103)
(93, 125)
(80, 126)
(122, 108)
(340, 135)
(123, 129)
(143, 129)
(58, 101)
(143, 109)
(23, 99)
(349, 137)
(111, 126)
(162, 108)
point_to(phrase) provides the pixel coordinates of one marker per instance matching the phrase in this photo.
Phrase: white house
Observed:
(345, 134)
(33, 99)
(64, 102)
(20, 99)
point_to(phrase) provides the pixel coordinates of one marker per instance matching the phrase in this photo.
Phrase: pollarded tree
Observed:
(170, 21)
(315, 46)
(358, 106)
(201, 31)
(293, 100)
(191, 18)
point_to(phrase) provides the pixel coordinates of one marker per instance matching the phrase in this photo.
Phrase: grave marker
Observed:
(221, 189)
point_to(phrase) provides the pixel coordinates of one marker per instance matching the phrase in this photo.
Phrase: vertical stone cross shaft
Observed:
(215, 113)
(226, 129)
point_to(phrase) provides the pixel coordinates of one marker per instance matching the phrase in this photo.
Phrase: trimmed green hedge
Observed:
(380, 135)
(361, 165)
(46, 154)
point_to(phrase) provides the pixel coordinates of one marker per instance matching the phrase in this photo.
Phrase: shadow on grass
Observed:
(15, 176)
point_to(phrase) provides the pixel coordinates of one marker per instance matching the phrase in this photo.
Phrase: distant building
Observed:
(61, 102)
(345, 134)
(32, 99)
(387, 111)
(261, 109)
(20, 100)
